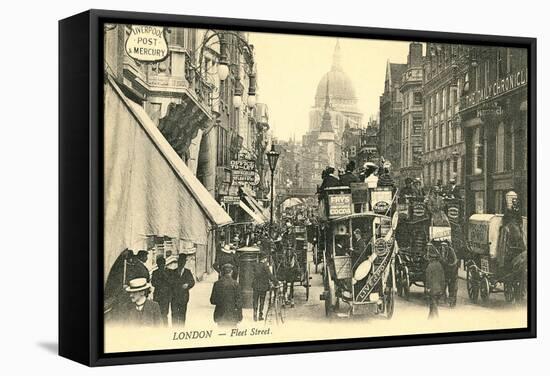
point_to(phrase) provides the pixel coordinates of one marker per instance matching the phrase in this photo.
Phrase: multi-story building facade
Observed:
(494, 116)
(444, 150)
(389, 136)
(412, 144)
(208, 121)
(289, 168)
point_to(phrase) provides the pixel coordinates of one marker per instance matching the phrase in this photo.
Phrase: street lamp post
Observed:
(272, 158)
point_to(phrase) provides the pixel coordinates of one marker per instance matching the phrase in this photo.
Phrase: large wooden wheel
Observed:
(484, 289)
(307, 282)
(509, 291)
(406, 283)
(472, 284)
(389, 303)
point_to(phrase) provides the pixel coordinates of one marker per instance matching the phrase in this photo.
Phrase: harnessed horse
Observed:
(288, 271)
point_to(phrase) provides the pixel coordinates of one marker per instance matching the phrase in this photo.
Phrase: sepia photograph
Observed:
(264, 188)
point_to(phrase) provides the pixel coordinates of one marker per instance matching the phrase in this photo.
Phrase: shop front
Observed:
(153, 201)
(496, 134)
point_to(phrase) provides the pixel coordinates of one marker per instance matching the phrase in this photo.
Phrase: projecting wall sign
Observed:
(147, 44)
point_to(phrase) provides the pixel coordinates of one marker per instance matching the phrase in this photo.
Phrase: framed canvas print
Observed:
(238, 187)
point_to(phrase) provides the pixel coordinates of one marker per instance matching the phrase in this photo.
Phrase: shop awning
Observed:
(148, 188)
(255, 205)
(255, 216)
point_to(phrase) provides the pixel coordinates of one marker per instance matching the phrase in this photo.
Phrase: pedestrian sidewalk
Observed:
(199, 307)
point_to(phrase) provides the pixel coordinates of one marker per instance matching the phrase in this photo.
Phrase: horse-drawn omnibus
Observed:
(359, 250)
(421, 222)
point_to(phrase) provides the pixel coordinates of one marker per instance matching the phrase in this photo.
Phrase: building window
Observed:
(499, 165)
(479, 199)
(486, 73)
(443, 135)
(417, 126)
(450, 132)
(417, 98)
(499, 198)
(427, 109)
(476, 78)
(177, 36)
(502, 62)
(223, 150)
(512, 148)
(476, 147)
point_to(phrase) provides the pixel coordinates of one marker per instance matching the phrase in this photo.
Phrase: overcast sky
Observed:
(290, 67)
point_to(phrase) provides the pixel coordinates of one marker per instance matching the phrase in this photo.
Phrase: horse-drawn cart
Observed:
(412, 235)
(497, 259)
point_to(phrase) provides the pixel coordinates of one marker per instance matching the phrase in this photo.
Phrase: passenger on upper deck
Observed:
(408, 189)
(369, 168)
(384, 177)
(349, 177)
(417, 185)
(329, 180)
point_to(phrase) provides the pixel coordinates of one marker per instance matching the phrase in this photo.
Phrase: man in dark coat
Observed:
(349, 177)
(408, 189)
(136, 267)
(359, 248)
(226, 296)
(181, 281)
(449, 261)
(163, 291)
(453, 190)
(330, 180)
(141, 311)
(261, 280)
(435, 280)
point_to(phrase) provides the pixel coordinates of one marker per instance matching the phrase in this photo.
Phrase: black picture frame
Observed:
(81, 196)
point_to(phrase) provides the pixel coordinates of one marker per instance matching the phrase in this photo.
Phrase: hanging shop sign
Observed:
(244, 171)
(231, 200)
(147, 44)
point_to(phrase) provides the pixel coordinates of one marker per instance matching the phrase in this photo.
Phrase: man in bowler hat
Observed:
(182, 281)
(261, 281)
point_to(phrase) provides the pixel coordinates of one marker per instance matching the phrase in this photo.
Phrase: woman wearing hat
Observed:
(227, 255)
(141, 311)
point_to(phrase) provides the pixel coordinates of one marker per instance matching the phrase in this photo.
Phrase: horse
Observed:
(288, 271)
